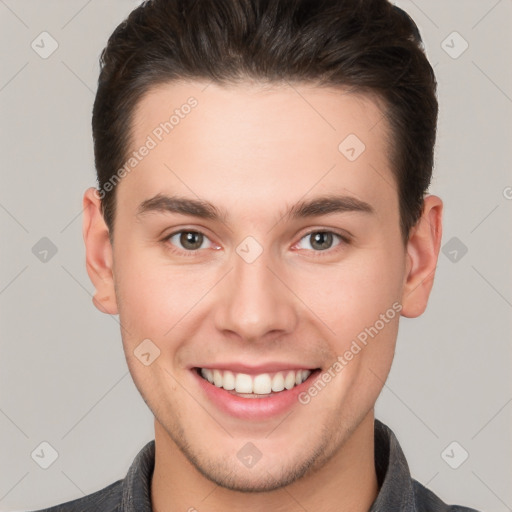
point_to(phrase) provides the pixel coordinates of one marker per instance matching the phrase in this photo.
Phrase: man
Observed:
(261, 223)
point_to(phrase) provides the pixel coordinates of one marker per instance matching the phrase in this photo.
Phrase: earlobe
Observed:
(98, 249)
(422, 254)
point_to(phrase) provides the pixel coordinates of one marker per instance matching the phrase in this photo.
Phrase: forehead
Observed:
(247, 143)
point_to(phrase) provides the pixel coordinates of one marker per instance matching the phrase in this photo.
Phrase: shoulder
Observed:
(427, 501)
(107, 499)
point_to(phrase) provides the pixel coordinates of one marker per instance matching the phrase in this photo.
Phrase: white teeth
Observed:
(217, 378)
(243, 383)
(207, 374)
(229, 381)
(261, 384)
(278, 382)
(289, 381)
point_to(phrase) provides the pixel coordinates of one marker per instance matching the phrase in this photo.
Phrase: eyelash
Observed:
(345, 240)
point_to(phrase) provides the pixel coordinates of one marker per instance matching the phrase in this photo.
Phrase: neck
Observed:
(347, 482)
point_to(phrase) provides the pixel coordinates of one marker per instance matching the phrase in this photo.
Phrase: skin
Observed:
(254, 151)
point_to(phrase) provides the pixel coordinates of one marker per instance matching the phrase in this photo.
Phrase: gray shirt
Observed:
(398, 491)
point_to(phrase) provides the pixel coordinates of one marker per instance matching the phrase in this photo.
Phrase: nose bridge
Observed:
(255, 301)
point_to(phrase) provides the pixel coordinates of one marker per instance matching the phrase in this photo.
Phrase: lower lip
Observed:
(253, 408)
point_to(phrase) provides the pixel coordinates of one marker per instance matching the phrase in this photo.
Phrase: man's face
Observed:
(259, 291)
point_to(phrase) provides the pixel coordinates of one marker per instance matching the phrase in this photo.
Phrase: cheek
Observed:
(359, 302)
(352, 294)
(157, 298)
(143, 294)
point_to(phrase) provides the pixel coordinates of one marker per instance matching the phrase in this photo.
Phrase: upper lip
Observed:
(270, 367)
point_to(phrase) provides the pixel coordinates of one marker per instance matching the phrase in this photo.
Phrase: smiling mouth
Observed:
(262, 385)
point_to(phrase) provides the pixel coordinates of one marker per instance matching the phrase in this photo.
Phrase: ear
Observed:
(421, 258)
(98, 253)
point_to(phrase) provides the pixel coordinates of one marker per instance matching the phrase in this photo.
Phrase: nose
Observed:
(256, 302)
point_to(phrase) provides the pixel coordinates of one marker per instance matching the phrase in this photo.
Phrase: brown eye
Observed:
(191, 240)
(186, 240)
(321, 240)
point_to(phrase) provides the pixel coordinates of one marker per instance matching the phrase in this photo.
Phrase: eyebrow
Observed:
(323, 205)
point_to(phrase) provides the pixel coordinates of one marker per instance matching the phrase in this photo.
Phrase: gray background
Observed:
(63, 375)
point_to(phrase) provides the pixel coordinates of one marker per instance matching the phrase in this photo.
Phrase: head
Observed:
(252, 110)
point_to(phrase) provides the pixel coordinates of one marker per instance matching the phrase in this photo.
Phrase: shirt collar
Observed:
(396, 490)
(395, 485)
(137, 484)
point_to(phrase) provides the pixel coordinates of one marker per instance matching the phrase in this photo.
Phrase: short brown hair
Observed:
(367, 45)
